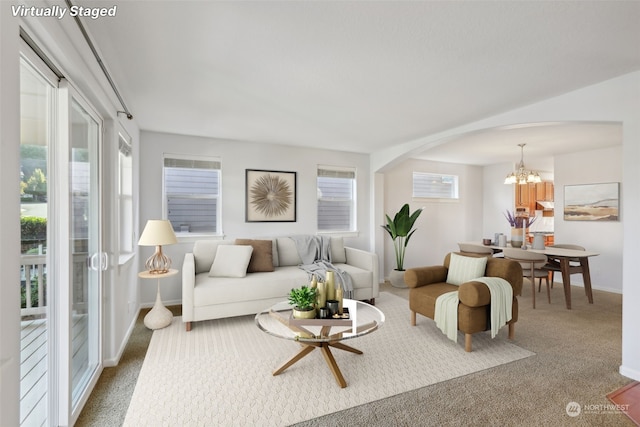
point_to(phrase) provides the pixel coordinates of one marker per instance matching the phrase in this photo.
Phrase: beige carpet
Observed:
(220, 372)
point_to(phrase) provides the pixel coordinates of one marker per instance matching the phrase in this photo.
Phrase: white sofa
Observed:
(205, 297)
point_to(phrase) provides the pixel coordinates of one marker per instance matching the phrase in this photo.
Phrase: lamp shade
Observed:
(157, 232)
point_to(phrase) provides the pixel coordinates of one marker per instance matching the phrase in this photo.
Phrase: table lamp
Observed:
(156, 233)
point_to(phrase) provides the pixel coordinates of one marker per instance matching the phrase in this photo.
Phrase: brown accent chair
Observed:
(428, 283)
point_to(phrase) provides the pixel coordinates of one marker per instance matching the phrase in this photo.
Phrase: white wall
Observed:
(120, 296)
(9, 220)
(442, 224)
(236, 157)
(591, 167)
(497, 199)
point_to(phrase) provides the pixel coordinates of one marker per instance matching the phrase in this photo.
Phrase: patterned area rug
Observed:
(220, 372)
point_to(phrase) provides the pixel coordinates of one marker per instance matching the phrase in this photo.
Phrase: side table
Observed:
(160, 316)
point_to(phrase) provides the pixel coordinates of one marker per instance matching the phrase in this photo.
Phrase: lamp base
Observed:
(158, 263)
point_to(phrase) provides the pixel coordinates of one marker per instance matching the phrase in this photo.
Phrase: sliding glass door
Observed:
(37, 107)
(87, 260)
(62, 262)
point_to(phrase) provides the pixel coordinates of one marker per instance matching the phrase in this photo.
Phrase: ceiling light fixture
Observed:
(522, 176)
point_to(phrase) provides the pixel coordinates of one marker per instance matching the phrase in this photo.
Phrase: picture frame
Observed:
(592, 202)
(270, 196)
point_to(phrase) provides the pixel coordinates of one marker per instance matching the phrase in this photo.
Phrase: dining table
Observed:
(564, 257)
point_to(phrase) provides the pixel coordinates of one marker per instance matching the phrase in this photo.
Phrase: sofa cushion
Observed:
(261, 257)
(204, 251)
(231, 261)
(338, 255)
(359, 278)
(255, 286)
(288, 252)
(463, 269)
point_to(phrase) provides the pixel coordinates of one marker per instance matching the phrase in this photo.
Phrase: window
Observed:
(192, 194)
(336, 199)
(435, 186)
(125, 196)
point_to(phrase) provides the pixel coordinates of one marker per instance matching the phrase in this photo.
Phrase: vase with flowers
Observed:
(519, 226)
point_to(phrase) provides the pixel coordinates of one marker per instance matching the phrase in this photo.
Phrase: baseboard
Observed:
(108, 363)
(595, 288)
(634, 374)
(165, 303)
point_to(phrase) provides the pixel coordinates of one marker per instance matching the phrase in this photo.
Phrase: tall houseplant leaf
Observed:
(401, 229)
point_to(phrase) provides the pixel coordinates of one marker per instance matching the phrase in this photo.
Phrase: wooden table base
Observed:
(324, 347)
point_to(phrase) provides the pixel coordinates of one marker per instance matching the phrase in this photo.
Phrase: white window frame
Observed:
(418, 177)
(191, 235)
(126, 214)
(339, 172)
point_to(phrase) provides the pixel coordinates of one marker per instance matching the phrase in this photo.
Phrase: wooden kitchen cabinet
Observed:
(548, 191)
(527, 195)
(522, 195)
(544, 191)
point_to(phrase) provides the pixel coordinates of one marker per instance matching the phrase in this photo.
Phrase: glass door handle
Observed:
(91, 262)
(104, 261)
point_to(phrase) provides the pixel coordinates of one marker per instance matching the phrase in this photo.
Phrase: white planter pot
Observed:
(396, 278)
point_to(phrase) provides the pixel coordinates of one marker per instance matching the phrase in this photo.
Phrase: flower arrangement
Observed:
(518, 221)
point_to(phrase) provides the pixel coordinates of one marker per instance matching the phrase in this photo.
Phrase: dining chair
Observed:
(532, 268)
(468, 248)
(553, 264)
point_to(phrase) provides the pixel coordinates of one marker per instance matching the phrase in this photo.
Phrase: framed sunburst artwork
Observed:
(271, 196)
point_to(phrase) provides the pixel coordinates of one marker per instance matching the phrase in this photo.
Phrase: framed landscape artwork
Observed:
(270, 196)
(592, 202)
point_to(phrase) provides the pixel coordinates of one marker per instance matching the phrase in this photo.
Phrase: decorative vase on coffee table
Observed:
(330, 285)
(321, 297)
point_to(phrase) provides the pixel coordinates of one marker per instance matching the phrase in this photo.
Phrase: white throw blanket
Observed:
(446, 314)
(446, 310)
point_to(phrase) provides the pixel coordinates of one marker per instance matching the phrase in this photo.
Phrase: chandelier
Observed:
(522, 176)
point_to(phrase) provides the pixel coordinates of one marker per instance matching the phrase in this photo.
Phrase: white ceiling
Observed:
(363, 75)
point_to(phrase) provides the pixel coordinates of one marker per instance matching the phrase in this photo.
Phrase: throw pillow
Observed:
(231, 261)
(262, 255)
(464, 268)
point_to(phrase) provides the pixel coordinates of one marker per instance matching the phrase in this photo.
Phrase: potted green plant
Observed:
(400, 229)
(303, 300)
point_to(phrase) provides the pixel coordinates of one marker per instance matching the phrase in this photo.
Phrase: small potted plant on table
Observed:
(303, 300)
